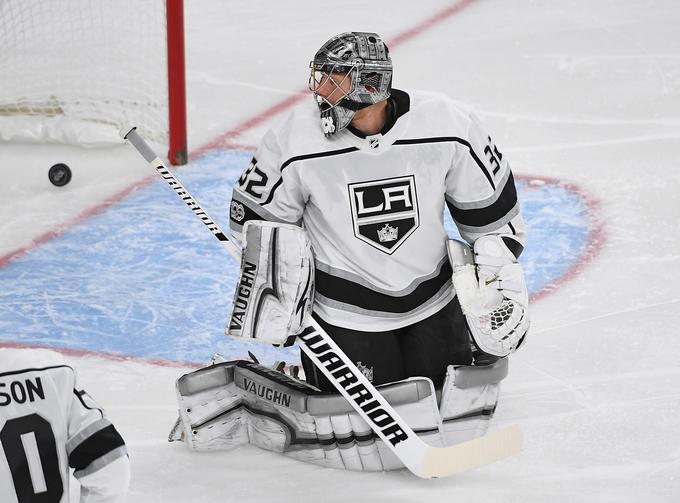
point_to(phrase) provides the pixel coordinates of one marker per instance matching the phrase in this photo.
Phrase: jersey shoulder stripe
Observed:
(37, 369)
(304, 157)
(81, 395)
(316, 155)
(451, 139)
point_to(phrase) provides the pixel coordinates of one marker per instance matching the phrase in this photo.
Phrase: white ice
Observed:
(585, 92)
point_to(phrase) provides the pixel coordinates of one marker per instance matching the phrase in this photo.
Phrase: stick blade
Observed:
(497, 445)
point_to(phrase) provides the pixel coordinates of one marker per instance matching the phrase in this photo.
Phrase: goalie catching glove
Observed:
(275, 289)
(492, 293)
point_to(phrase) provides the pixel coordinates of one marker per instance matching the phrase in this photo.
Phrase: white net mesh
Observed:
(76, 71)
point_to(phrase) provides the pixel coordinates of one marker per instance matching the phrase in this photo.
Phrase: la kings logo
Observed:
(384, 212)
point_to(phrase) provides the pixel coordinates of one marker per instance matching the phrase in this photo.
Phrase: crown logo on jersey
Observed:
(367, 371)
(388, 233)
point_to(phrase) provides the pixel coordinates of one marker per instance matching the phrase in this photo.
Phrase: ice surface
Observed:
(144, 277)
(582, 97)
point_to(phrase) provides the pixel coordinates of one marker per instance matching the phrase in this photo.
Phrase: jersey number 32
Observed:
(252, 179)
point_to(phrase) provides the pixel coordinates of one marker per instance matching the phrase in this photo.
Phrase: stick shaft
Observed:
(143, 148)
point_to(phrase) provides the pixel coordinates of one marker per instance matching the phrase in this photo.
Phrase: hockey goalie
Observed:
(340, 216)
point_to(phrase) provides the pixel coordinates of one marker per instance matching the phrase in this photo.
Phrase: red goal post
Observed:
(177, 115)
(76, 71)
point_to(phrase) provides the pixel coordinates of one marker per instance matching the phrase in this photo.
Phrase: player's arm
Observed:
(480, 191)
(96, 451)
(268, 189)
(276, 282)
(482, 199)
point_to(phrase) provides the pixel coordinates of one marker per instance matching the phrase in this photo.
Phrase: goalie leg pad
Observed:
(414, 399)
(210, 412)
(469, 399)
(274, 293)
(232, 403)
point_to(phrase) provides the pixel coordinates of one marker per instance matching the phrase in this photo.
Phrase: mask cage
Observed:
(324, 74)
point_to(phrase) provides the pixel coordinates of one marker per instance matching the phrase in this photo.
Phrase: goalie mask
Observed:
(350, 72)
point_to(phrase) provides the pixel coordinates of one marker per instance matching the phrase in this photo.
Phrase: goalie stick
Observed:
(420, 458)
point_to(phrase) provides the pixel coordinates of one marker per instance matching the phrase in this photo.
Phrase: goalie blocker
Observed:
(275, 289)
(233, 403)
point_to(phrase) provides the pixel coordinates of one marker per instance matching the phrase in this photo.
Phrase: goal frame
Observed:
(177, 116)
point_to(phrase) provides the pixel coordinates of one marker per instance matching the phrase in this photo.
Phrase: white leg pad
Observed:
(231, 403)
(210, 411)
(469, 398)
(368, 450)
(344, 436)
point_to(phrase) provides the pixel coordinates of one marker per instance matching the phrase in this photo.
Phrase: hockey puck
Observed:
(59, 174)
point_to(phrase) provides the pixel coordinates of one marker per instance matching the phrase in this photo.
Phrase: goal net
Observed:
(76, 71)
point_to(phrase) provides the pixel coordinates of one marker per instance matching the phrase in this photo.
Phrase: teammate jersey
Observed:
(48, 424)
(373, 206)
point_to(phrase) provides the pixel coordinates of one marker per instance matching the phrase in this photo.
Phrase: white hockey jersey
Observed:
(373, 206)
(48, 424)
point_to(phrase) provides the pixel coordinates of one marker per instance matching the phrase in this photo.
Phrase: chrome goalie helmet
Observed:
(351, 71)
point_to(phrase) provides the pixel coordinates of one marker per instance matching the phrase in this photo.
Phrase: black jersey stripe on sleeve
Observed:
(451, 139)
(480, 217)
(303, 157)
(349, 292)
(95, 446)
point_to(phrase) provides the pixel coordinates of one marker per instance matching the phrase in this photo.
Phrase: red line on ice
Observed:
(101, 354)
(78, 219)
